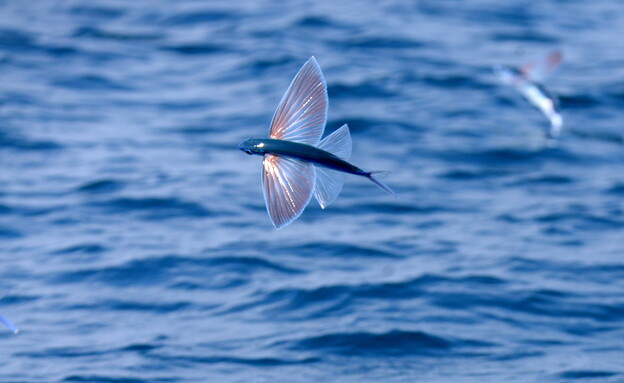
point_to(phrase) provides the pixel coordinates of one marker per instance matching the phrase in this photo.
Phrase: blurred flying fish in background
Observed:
(8, 324)
(528, 81)
(297, 163)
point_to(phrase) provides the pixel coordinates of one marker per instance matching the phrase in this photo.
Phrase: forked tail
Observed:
(8, 324)
(382, 185)
(556, 124)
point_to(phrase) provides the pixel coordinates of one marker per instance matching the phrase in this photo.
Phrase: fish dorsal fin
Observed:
(338, 143)
(329, 182)
(538, 70)
(302, 112)
(288, 184)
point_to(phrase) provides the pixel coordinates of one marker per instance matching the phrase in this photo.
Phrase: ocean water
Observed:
(134, 241)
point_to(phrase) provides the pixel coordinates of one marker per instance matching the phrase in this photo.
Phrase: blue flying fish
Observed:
(528, 81)
(8, 324)
(297, 163)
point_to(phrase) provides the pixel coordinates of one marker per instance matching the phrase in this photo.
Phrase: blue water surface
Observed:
(134, 241)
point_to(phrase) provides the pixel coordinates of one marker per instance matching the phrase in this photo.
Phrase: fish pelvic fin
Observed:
(338, 143)
(329, 182)
(328, 186)
(381, 185)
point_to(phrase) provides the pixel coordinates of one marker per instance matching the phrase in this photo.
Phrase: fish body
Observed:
(527, 81)
(546, 102)
(297, 164)
(303, 152)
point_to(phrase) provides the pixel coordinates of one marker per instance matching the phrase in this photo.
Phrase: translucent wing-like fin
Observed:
(288, 185)
(302, 113)
(328, 186)
(507, 75)
(338, 143)
(538, 70)
(8, 324)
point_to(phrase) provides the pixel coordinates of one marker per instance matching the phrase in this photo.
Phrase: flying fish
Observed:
(528, 81)
(297, 164)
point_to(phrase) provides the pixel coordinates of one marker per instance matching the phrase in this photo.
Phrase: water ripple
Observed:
(155, 270)
(136, 244)
(392, 343)
(155, 208)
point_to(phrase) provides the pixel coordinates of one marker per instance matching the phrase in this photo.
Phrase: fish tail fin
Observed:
(556, 124)
(8, 324)
(381, 185)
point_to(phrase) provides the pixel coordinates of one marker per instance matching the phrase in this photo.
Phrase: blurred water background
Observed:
(134, 241)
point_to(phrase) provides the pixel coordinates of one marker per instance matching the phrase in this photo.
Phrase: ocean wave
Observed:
(587, 374)
(392, 343)
(155, 208)
(13, 141)
(196, 48)
(327, 301)
(135, 239)
(101, 186)
(172, 269)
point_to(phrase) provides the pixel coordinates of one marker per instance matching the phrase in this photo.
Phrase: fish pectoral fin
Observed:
(288, 185)
(539, 69)
(338, 143)
(328, 186)
(302, 112)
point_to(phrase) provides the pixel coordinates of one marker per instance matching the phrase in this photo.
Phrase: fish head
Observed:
(252, 146)
(507, 75)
